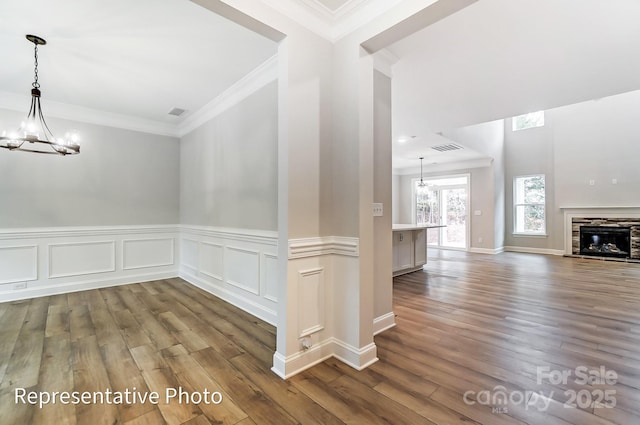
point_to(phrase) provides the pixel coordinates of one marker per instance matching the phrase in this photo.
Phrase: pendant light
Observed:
(422, 183)
(34, 135)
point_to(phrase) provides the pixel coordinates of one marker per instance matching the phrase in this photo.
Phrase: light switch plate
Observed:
(377, 210)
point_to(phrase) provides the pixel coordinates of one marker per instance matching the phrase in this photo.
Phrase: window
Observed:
(529, 205)
(530, 120)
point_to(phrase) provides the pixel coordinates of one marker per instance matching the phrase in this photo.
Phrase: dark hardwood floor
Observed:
(469, 328)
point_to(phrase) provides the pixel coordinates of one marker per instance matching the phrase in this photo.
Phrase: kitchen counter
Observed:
(410, 247)
(397, 227)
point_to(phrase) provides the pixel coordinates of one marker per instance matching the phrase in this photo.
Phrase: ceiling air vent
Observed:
(447, 147)
(177, 111)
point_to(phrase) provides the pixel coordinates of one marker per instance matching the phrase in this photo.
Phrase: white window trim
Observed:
(514, 232)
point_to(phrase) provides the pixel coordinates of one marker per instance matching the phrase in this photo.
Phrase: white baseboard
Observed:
(359, 359)
(82, 285)
(260, 311)
(286, 367)
(39, 262)
(384, 322)
(489, 251)
(527, 250)
(236, 265)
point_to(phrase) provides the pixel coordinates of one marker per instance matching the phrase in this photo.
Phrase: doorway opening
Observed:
(443, 201)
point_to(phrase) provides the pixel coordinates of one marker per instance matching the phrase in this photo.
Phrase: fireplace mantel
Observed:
(595, 207)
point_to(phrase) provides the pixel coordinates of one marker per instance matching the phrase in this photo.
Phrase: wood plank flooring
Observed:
(466, 324)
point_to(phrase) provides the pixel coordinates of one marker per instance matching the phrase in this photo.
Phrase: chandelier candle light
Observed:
(34, 134)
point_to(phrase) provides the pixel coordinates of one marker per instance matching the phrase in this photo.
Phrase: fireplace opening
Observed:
(605, 241)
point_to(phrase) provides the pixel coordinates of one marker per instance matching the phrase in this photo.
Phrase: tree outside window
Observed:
(529, 205)
(530, 120)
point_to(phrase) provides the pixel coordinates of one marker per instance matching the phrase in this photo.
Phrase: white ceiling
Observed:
(493, 59)
(138, 58)
(333, 5)
(500, 58)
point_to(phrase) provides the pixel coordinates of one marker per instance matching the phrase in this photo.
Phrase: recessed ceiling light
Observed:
(406, 139)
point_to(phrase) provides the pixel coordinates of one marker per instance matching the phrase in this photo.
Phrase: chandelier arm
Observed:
(32, 109)
(48, 135)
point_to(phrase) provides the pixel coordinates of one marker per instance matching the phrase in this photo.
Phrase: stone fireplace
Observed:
(607, 237)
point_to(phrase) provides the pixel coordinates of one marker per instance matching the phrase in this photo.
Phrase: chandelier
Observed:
(422, 183)
(34, 135)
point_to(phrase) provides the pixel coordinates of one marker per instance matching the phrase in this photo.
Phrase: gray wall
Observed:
(531, 152)
(481, 184)
(486, 185)
(597, 140)
(488, 139)
(382, 234)
(228, 166)
(121, 177)
(594, 140)
(395, 189)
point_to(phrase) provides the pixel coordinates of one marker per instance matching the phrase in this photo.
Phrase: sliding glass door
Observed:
(444, 201)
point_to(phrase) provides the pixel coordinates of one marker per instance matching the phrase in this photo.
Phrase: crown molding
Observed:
(346, 8)
(446, 166)
(319, 8)
(19, 103)
(330, 24)
(355, 14)
(315, 19)
(247, 85)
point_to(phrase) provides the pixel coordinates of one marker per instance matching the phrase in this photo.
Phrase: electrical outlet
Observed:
(305, 342)
(480, 240)
(377, 210)
(20, 285)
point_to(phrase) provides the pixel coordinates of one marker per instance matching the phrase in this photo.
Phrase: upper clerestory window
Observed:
(530, 120)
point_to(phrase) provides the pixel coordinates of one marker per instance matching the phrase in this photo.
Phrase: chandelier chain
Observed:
(36, 84)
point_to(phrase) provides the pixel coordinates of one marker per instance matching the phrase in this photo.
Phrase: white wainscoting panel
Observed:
(48, 261)
(81, 258)
(212, 260)
(237, 265)
(311, 289)
(189, 253)
(270, 277)
(143, 253)
(243, 269)
(18, 263)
